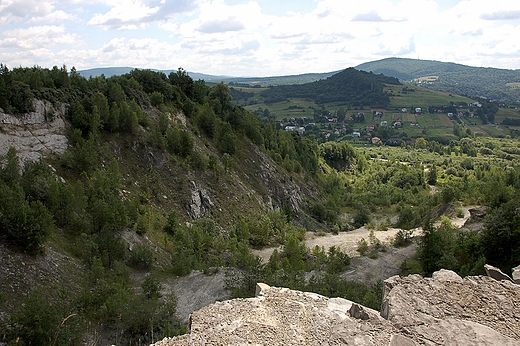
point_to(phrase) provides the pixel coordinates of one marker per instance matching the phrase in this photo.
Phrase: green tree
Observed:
(184, 81)
(437, 247)
(432, 175)
(501, 236)
(207, 121)
(11, 171)
(129, 121)
(227, 140)
(100, 102)
(41, 322)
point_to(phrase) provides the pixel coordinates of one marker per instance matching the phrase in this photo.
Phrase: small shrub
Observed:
(141, 257)
(403, 238)
(151, 286)
(362, 217)
(373, 253)
(362, 246)
(383, 226)
(411, 267)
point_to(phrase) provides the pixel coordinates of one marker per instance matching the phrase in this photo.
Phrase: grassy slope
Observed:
(490, 83)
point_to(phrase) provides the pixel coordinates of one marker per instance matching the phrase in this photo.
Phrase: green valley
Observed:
(165, 177)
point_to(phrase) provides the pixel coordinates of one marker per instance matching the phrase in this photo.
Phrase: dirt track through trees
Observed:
(198, 289)
(347, 241)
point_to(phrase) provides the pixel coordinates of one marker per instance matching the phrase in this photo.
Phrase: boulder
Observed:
(496, 273)
(516, 275)
(442, 310)
(357, 311)
(201, 203)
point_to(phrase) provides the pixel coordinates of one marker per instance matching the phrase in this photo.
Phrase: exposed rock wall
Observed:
(442, 310)
(34, 134)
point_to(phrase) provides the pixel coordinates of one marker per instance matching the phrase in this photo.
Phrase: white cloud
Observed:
(217, 26)
(236, 37)
(133, 14)
(14, 11)
(501, 15)
(371, 16)
(37, 37)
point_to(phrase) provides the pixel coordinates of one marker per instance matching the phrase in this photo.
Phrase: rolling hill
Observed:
(350, 85)
(491, 83)
(256, 81)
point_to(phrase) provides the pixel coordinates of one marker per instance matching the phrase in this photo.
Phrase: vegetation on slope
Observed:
(141, 139)
(491, 83)
(352, 86)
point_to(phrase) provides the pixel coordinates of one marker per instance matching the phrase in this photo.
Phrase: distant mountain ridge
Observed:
(491, 83)
(486, 82)
(260, 81)
(117, 71)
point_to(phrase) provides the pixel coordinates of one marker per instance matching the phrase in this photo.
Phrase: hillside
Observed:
(123, 194)
(348, 86)
(491, 83)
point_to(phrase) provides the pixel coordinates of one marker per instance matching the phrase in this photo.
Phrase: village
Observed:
(383, 127)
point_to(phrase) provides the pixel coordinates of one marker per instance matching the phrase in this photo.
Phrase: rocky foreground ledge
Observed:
(442, 310)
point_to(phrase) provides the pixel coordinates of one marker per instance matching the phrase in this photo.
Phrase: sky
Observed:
(256, 37)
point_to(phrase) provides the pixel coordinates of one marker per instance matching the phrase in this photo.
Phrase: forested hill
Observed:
(350, 85)
(492, 83)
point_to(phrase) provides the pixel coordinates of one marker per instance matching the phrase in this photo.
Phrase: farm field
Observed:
(401, 97)
(445, 120)
(506, 113)
(408, 117)
(420, 97)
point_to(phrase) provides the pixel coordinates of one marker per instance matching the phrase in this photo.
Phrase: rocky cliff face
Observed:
(442, 310)
(36, 134)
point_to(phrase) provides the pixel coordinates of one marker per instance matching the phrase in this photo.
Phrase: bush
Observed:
(362, 246)
(151, 286)
(141, 257)
(42, 322)
(361, 217)
(25, 224)
(403, 238)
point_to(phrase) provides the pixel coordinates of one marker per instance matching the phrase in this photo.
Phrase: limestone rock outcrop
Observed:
(36, 134)
(516, 275)
(201, 203)
(443, 310)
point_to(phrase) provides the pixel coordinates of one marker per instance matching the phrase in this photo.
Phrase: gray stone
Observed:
(516, 275)
(401, 340)
(261, 289)
(34, 134)
(201, 203)
(443, 310)
(444, 275)
(496, 273)
(357, 311)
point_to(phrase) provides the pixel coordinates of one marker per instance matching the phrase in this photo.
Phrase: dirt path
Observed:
(197, 289)
(347, 241)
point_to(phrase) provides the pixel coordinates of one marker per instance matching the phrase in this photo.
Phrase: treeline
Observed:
(120, 104)
(490, 83)
(350, 86)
